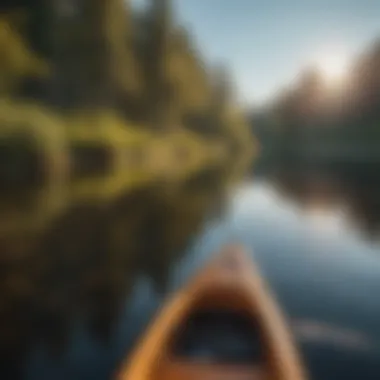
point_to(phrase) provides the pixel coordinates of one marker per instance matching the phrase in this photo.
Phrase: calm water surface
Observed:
(77, 294)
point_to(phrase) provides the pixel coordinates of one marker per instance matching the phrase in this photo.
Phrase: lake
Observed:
(79, 290)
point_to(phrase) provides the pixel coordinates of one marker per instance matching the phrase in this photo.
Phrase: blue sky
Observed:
(266, 43)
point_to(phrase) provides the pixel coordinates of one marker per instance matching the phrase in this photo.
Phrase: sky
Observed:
(266, 43)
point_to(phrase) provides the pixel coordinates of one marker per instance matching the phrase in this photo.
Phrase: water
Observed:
(79, 290)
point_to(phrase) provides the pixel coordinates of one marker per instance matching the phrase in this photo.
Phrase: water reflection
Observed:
(82, 265)
(326, 281)
(78, 288)
(351, 189)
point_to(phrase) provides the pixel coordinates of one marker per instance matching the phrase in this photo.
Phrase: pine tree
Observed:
(159, 92)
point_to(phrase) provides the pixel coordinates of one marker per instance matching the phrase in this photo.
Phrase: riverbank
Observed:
(49, 160)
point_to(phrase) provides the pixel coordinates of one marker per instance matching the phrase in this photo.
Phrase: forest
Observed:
(341, 118)
(83, 78)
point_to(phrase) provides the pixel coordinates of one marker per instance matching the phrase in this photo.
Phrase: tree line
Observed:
(103, 54)
(318, 111)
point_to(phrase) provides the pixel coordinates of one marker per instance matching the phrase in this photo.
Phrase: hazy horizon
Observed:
(265, 44)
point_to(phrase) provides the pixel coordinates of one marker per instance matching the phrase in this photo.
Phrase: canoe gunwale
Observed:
(231, 280)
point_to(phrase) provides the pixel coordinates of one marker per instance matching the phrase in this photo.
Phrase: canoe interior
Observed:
(224, 325)
(218, 336)
(218, 339)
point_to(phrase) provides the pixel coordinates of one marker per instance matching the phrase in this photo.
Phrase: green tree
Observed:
(17, 61)
(189, 81)
(158, 90)
(126, 76)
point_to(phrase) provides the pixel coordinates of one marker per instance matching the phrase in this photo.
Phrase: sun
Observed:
(333, 67)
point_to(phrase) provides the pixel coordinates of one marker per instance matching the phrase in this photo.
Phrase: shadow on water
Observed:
(353, 187)
(82, 268)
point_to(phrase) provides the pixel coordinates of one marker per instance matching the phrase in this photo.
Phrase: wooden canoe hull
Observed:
(230, 281)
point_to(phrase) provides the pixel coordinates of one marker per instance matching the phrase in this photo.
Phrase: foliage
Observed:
(103, 55)
(315, 112)
(103, 126)
(16, 60)
(33, 122)
(116, 90)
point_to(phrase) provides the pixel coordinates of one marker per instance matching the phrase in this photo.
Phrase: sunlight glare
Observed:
(333, 67)
(331, 221)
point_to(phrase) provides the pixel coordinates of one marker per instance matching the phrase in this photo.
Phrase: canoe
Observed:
(224, 325)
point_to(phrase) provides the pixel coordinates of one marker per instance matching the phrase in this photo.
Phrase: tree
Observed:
(158, 89)
(365, 90)
(17, 61)
(125, 74)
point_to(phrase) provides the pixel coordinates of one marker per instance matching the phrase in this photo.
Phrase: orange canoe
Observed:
(224, 325)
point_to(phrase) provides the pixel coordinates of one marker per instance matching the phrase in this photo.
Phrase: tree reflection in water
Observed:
(354, 186)
(83, 266)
